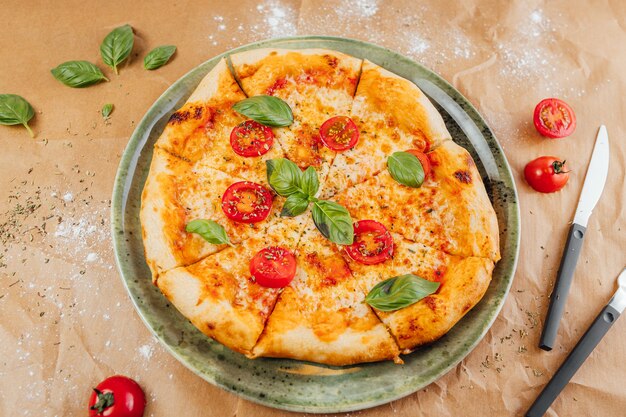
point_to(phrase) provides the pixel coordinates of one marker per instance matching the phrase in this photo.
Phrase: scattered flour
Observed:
(146, 351)
(278, 19)
(68, 197)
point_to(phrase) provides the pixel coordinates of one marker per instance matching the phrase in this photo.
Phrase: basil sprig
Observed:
(107, 109)
(116, 46)
(78, 74)
(300, 188)
(15, 110)
(399, 292)
(267, 110)
(333, 221)
(406, 168)
(209, 230)
(158, 57)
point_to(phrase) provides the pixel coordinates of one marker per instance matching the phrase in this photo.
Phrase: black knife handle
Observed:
(561, 286)
(581, 351)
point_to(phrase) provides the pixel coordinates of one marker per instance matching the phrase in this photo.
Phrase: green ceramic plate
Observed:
(295, 385)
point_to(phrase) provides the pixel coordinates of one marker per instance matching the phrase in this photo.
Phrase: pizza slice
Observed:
(463, 282)
(321, 315)
(200, 131)
(316, 83)
(450, 211)
(392, 114)
(177, 192)
(219, 295)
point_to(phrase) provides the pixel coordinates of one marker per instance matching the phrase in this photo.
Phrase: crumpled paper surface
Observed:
(66, 321)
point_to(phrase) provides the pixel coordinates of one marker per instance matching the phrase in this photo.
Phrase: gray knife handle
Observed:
(581, 351)
(561, 286)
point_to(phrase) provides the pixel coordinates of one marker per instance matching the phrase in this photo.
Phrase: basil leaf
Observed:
(295, 204)
(310, 183)
(406, 168)
(211, 231)
(78, 74)
(333, 221)
(158, 57)
(15, 110)
(399, 292)
(284, 176)
(267, 110)
(106, 110)
(117, 45)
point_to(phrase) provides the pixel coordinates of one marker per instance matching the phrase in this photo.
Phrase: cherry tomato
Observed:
(546, 174)
(339, 133)
(373, 243)
(554, 118)
(423, 160)
(251, 138)
(273, 267)
(247, 202)
(117, 396)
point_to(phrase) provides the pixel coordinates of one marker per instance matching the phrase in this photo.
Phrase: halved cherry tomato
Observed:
(273, 267)
(246, 202)
(546, 174)
(339, 133)
(117, 396)
(373, 243)
(554, 118)
(423, 159)
(251, 138)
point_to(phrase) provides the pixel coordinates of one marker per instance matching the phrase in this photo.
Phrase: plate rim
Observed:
(118, 203)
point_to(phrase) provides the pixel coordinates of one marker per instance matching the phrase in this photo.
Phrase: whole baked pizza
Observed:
(311, 205)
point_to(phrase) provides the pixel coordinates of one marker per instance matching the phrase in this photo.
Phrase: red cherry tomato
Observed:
(117, 396)
(546, 174)
(423, 160)
(251, 138)
(246, 202)
(554, 118)
(273, 267)
(339, 133)
(373, 243)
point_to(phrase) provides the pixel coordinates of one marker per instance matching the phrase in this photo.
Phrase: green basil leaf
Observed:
(15, 110)
(333, 221)
(399, 292)
(211, 231)
(117, 45)
(310, 182)
(158, 57)
(107, 109)
(295, 204)
(78, 74)
(406, 168)
(284, 176)
(267, 110)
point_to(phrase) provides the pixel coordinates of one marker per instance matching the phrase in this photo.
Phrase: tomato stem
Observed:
(558, 167)
(105, 400)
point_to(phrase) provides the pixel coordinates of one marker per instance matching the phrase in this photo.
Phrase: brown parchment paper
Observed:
(66, 320)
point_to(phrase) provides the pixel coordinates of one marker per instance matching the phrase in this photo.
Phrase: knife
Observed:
(589, 196)
(581, 351)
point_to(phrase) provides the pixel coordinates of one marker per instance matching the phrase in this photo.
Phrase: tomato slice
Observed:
(423, 160)
(373, 243)
(273, 267)
(339, 133)
(554, 118)
(251, 138)
(246, 202)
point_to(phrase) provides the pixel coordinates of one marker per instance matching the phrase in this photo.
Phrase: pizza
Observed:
(311, 205)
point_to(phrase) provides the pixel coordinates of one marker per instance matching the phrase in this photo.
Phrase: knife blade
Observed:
(592, 190)
(603, 322)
